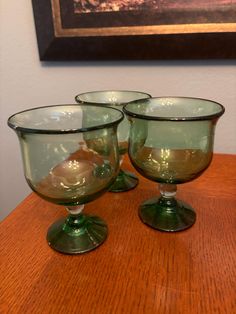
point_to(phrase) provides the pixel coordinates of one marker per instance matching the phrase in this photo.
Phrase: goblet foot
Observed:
(125, 181)
(167, 215)
(77, 234)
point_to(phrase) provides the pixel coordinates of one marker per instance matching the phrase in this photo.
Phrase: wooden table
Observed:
(137, 269)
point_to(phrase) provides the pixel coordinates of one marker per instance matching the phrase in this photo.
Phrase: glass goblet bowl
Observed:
(171, 142)
(125, 180)
(70, 157)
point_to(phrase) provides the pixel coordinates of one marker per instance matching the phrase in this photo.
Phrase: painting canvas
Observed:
(135, 29)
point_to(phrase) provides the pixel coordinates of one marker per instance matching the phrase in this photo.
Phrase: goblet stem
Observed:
(167, 190)
(167, 199)
(125, 180)
(75, 210)
(166, 213)
(78, 233)
(75, 221)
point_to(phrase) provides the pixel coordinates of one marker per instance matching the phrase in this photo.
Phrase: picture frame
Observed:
(73, 30)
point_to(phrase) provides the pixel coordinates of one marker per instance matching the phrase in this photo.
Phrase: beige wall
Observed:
(25, 83)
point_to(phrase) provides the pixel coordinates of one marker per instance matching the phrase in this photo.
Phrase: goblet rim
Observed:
(159, 118)
(62, 131)
(109, 90)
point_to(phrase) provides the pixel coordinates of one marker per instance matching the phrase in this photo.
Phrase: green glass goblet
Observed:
(70, 156)
(125, 180)
(171, 142)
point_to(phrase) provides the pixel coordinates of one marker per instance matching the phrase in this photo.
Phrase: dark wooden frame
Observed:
(60, 38)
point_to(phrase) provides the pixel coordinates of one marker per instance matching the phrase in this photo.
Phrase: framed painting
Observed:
(135, 29)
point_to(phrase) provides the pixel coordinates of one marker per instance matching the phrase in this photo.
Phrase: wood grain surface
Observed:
(137, 269)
